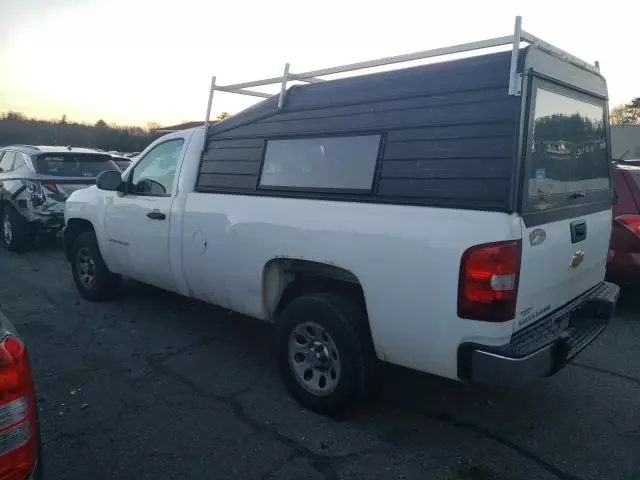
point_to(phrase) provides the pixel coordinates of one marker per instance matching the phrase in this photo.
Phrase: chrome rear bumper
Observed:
(545, 347)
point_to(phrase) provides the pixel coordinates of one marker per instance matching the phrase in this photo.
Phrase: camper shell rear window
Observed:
(567, 157)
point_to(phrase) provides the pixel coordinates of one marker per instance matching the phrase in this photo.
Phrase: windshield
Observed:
(74, 164)
(569, 149)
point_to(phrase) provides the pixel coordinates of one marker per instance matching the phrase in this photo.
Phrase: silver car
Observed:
(35, 181)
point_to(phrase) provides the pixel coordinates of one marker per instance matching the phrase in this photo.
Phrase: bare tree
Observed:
(626, 114)
(223, 116)
(19, 116)
(152, 126)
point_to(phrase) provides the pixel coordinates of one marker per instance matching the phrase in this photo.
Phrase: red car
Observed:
(623, 266)
(19, 440)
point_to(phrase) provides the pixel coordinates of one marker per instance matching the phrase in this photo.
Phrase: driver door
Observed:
(137, 221)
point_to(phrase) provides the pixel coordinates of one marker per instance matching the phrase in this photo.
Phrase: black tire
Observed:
(93, 279)
(17, 234)
(346, 324)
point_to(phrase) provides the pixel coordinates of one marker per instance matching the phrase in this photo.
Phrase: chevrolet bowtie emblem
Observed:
(577, 259)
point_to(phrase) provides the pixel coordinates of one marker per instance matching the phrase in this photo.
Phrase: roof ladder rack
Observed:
(515, 78)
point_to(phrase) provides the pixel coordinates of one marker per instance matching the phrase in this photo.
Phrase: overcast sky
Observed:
(135, 61)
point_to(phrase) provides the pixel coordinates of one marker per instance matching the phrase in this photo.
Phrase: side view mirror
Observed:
(109, 180)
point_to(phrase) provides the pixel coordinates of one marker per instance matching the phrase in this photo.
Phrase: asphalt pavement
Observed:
(154, 386)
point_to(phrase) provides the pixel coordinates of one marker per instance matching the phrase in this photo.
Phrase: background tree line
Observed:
(628, 113)
(15, 127)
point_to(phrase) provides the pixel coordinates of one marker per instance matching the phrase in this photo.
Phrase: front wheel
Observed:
(93, 279)
(324, 352)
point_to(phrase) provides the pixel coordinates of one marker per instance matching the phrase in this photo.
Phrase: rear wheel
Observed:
(324, 352)
(93, 279)
(17, 234)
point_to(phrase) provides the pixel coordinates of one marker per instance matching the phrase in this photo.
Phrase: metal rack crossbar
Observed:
(515, 78)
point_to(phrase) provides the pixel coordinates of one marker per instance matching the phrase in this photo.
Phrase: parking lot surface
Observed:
(154, 385)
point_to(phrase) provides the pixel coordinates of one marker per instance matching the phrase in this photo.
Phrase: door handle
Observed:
(578, 231)
(156, 215)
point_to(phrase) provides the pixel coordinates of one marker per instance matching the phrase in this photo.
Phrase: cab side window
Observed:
(155, 173)
(6, 162)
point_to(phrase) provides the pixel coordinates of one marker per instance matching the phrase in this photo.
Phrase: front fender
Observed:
(88, 204)
(83, 204)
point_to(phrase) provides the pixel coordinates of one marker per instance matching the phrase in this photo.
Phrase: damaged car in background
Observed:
(35, 181)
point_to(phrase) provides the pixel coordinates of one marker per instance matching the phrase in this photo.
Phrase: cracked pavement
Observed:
(154, 385)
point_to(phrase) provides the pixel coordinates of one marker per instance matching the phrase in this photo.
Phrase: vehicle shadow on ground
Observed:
(629, 302)
(47, 243)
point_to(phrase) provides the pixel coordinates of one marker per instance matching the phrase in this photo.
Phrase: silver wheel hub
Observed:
(314, 358)
(7, 230)
(86, 267)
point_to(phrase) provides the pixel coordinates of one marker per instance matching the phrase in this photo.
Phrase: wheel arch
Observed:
(74, 227)
(285, 279)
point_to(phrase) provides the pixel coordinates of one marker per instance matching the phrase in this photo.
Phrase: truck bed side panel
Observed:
(417, 247)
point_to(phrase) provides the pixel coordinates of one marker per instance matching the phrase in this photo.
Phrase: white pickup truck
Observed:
(452, 218)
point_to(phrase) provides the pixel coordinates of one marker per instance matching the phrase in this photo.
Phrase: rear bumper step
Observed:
(544, 348)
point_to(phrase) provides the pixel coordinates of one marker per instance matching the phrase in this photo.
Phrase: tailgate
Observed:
(559, 269)
(566, 219)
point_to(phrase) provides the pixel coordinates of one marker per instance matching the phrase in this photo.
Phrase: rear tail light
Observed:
(488, 283)
(632, 222)
(52, 187)
(18, 434)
